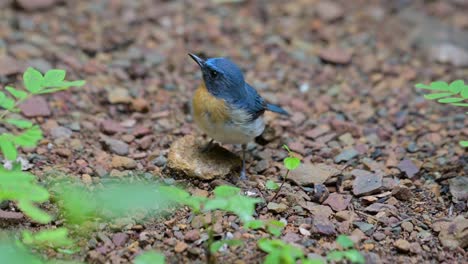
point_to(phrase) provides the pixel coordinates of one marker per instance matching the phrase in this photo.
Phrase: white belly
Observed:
(231, 132)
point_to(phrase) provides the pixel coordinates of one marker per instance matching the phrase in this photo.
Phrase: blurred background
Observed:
(345, 70)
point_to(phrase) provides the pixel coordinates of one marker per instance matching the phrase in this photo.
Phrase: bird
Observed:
(226, 108)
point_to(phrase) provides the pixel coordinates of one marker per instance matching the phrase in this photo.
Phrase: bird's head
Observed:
(222, 76)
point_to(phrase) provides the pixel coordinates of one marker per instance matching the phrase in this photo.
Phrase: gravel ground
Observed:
(380, 163)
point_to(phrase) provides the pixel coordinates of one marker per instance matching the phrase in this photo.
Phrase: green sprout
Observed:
(226, 198)
(280, 252)
(150, 257)
(455, 93)
(16, 185)
(348, 251)
(291, 163)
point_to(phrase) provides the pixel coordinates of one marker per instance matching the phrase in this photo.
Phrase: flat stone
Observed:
(32, 5)
(119, 239)
(346, 155)
(407, 226)
(111, 127)
(402, 245)
(402, 193)
(363, 226)
(449, 53)
(192, 235)
(123, 162)
(338, 202)
(459, 188)
(277, 207)
(34, 107)
(186, 158)
(291, 237)
(329, 11)
(60, 132)
(455, 233)
(377, 207)
(9, 66)
(408, 167)
(309, 174)
(116, 146)
(180, 247)
(119, 96)
(320, 210)
(323, 226)
(335, 56)
(367, 183)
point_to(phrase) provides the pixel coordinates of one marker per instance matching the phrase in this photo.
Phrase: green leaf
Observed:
(54, 238)
(464, 92)
(19, 185)
(35, 213)
(216, 204)
(16, 253)
(53, 77)
(7, 103)
(464, 143)
(456, 86)
(18, 94)
(218, 244)
(150, 257)
(255, 224)
(422, 86)
(19, 123)
(286, 148)
(460, 104)
(226, 191)
(271, 185)
(33, 80)
(335, 255)
(354, 256)
(270, 245)
(450, 100)
(344, 241)
(312, 261)
(275, 227)
(8, 148)
(273, 258)
(291, 163)
(440, 86)
(29, 137)
(436, 95)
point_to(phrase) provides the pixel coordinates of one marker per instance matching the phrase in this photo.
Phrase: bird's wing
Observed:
(253, 104)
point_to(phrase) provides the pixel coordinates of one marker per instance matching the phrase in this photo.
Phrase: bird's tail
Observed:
(276, 109)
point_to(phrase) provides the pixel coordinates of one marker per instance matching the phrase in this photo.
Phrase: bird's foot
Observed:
(243, 175)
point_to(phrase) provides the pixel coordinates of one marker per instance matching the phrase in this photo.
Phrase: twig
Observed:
(281, 186)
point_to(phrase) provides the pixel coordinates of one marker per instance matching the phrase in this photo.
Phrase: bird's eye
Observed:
(213, 74)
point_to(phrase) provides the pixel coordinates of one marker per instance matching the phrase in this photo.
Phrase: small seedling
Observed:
(347, 252)
(16, 185)
(455, 93)
(150, 257)
(290, 163)
(273, 227)
(226, 198)
(55, 238)
(280, 252)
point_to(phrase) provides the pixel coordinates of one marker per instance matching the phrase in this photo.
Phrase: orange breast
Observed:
(206, 107)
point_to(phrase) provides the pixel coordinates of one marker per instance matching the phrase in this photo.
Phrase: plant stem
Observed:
(209, 228)
(281, 186)
(6, 111)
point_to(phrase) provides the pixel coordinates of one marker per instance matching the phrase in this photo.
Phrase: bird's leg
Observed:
(208, 146)
(243, 175)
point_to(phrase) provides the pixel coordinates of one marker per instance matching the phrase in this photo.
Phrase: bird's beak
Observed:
(197, 59)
